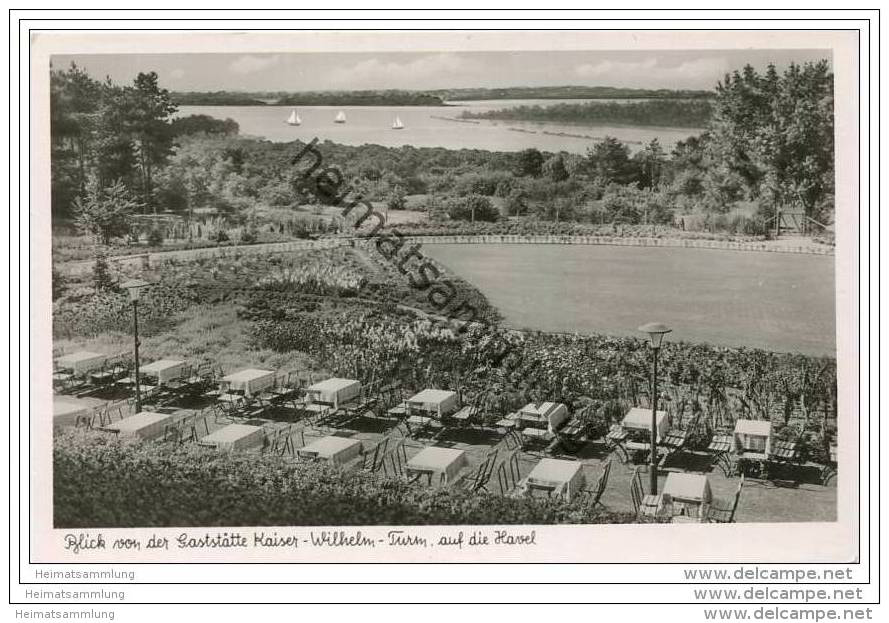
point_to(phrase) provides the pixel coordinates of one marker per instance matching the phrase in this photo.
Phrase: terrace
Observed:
(367, 427)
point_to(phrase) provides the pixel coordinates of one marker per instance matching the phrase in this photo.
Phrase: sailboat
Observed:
(397, 124)
(294, 119)
(340, 117)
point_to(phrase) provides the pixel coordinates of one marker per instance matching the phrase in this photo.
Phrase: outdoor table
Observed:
(436, 401)
(510, 421)
(640, 420)
(250, 381)
(82, 361)
(550, 415)
(464, 414)
(163, 370)
(145, 425)
(445, 462)
(337, 450)
(65, 411)
(420, 420)
(234, 437)
(565, 478)
(229, 398)
(334, 391)
(537, 433)
(752, 436)
(398, 410)
(691, 489)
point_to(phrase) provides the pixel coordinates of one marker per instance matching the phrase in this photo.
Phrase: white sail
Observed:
(298, 120)
(340, 117)
(397, 124)
(293, 119)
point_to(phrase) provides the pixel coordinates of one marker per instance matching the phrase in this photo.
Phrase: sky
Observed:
(323, 71)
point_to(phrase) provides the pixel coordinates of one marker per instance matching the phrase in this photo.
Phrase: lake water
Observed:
(774, 301)
(433, 126)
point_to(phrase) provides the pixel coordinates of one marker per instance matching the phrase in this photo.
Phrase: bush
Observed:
(102, 279)
(249, 235)
(219, 235)
(472, 208)
(100, 481)
(155, 237)
(59, 284)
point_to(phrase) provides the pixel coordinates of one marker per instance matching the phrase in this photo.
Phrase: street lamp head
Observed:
(656, 332)
(135, 287)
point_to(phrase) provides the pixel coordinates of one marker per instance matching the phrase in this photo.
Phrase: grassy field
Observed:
(774, 301)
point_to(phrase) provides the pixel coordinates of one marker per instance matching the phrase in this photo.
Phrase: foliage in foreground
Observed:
(100, 481)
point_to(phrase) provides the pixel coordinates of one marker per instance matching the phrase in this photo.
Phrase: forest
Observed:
(568, 92)
(308, 98)
(658, 112)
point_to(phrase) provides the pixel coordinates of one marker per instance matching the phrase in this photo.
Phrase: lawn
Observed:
(775, 301)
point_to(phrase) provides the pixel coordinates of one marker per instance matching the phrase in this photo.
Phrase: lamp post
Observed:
(656, 332)
(135, 287)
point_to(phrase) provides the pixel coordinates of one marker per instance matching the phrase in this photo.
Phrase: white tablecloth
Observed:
(334, 391)
(82, 361)
(435, 401)
(250, 381)
(337, 450)
(437, 461)
(65, 411)
(145, 425)
(567, 476)
(693, 488)
(640, 419)
(234, 437)
(163, 370)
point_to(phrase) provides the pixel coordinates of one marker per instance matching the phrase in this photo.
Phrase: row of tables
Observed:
(554, 476)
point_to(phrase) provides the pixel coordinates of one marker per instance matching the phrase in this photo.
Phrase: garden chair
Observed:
(720, 448)
(672, 444)
(785, 452)
(614, 441)
(572, 435)
(280, 441)
(89, 420)
(723, 511)
(395, 461)
(829, 470)
(594, 495)
(644, 505)
(477, 479)
(186, 429)
(60, 377)
(178, 385)
(70, 383)
(513, 440)
(286, 386)
(508, 473)
(372, 460)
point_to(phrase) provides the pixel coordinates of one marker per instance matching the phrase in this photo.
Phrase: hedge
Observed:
(100, 481)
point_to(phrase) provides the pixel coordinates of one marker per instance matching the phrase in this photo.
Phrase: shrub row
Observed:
(100, 481)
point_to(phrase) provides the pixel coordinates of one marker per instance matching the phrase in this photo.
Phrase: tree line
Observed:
(658, 112)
